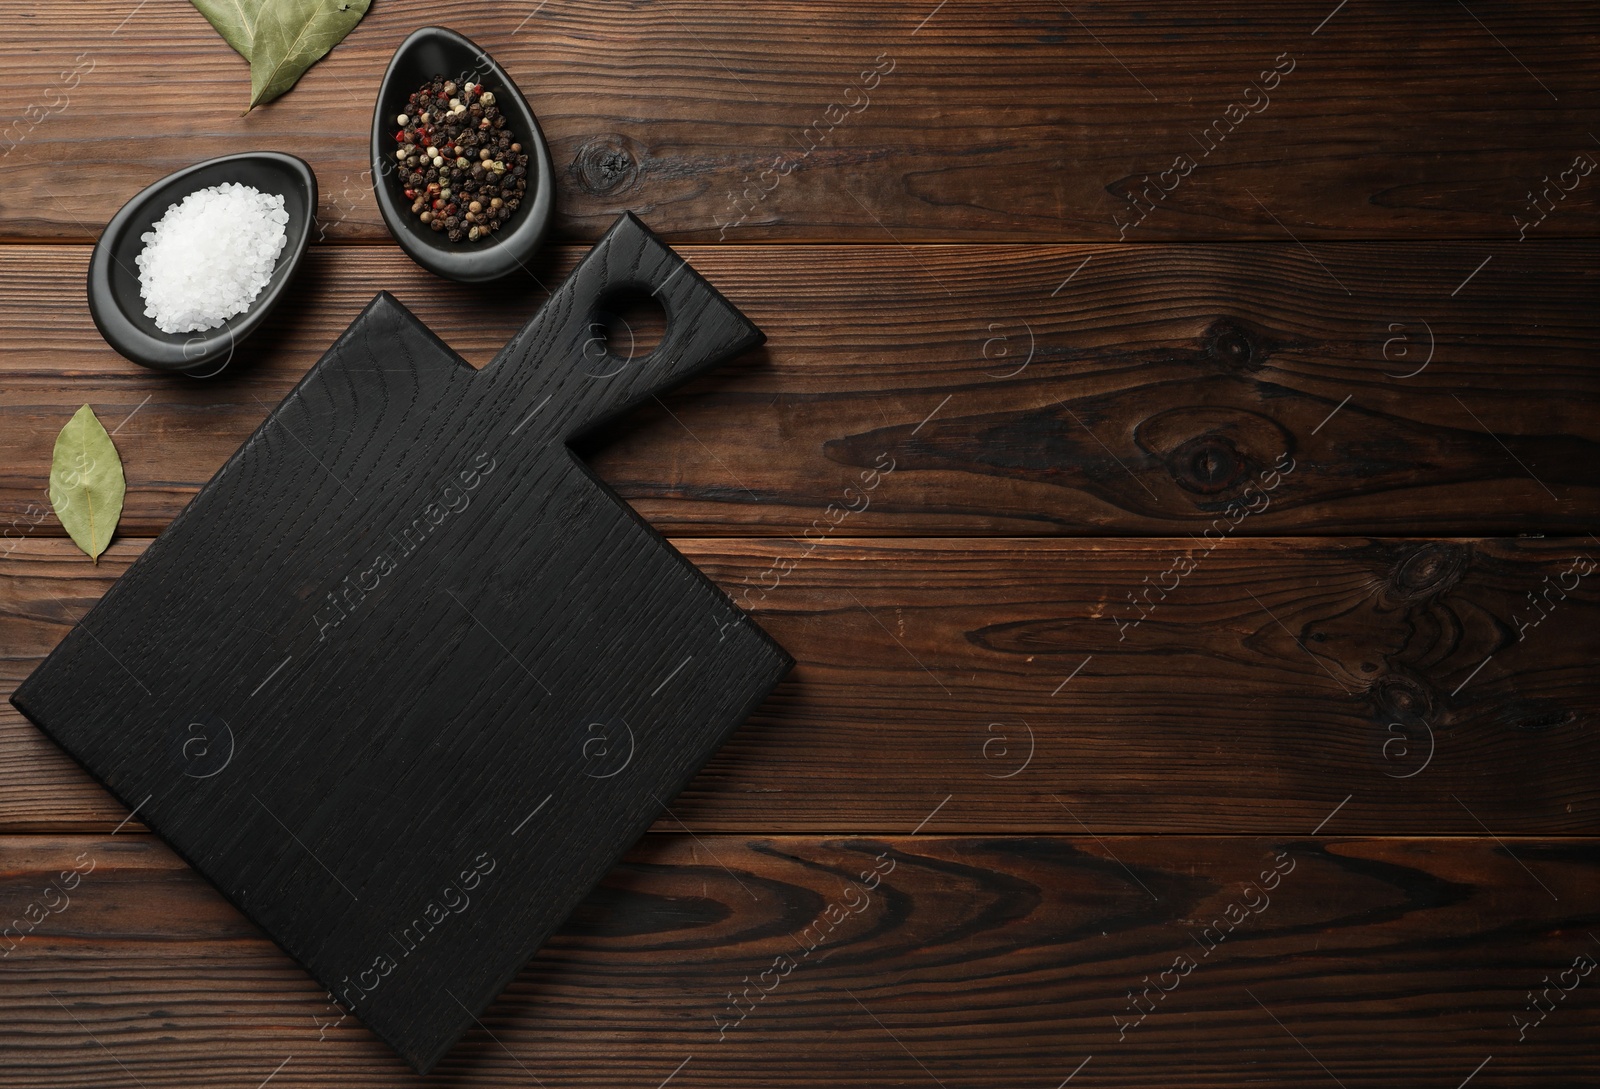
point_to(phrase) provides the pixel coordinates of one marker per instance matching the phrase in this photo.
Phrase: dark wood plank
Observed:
(1026, 121)
(1278, 681)
(966, 962)
(1160, 381)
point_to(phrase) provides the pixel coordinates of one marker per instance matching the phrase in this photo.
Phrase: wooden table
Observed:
(1225, 630)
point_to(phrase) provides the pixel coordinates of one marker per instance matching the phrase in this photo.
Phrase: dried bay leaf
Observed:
(281, 38)
(292, 35)
(235, 20)
(86, 482)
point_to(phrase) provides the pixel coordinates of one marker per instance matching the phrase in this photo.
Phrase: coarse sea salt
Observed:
(210, 255)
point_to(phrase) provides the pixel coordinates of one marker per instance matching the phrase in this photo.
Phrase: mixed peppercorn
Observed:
(459, 165)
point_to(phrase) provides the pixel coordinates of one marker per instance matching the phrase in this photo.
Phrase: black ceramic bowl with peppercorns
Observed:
(459, 166)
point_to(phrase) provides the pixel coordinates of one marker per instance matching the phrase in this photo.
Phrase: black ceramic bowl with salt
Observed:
(115, 301)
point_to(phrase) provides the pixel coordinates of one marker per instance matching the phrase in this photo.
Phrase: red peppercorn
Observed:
(427, 141)
(438, 204)
(411, 194)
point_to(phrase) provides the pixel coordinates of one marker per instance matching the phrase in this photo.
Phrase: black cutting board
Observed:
(406, 678)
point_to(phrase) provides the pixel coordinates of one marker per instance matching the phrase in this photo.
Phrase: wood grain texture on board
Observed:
(1427, 687)
(833, 121)
(402, 623)
(891, 961)
(1019, 389)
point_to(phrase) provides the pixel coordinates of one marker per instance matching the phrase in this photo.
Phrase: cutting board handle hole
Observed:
(627, 326)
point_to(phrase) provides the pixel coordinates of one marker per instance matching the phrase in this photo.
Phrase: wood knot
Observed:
(1534, 715)
(1400, 698)
(1429, 571)
(1233, 347)
(606, 164)
(1207, 464)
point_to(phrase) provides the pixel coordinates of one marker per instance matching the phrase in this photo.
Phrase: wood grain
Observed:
(1279, 682)
(1019, 390)
(1364, 223)
(961, 962)
(1029, 121)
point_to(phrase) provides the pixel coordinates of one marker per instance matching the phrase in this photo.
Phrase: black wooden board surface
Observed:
(406, 678)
